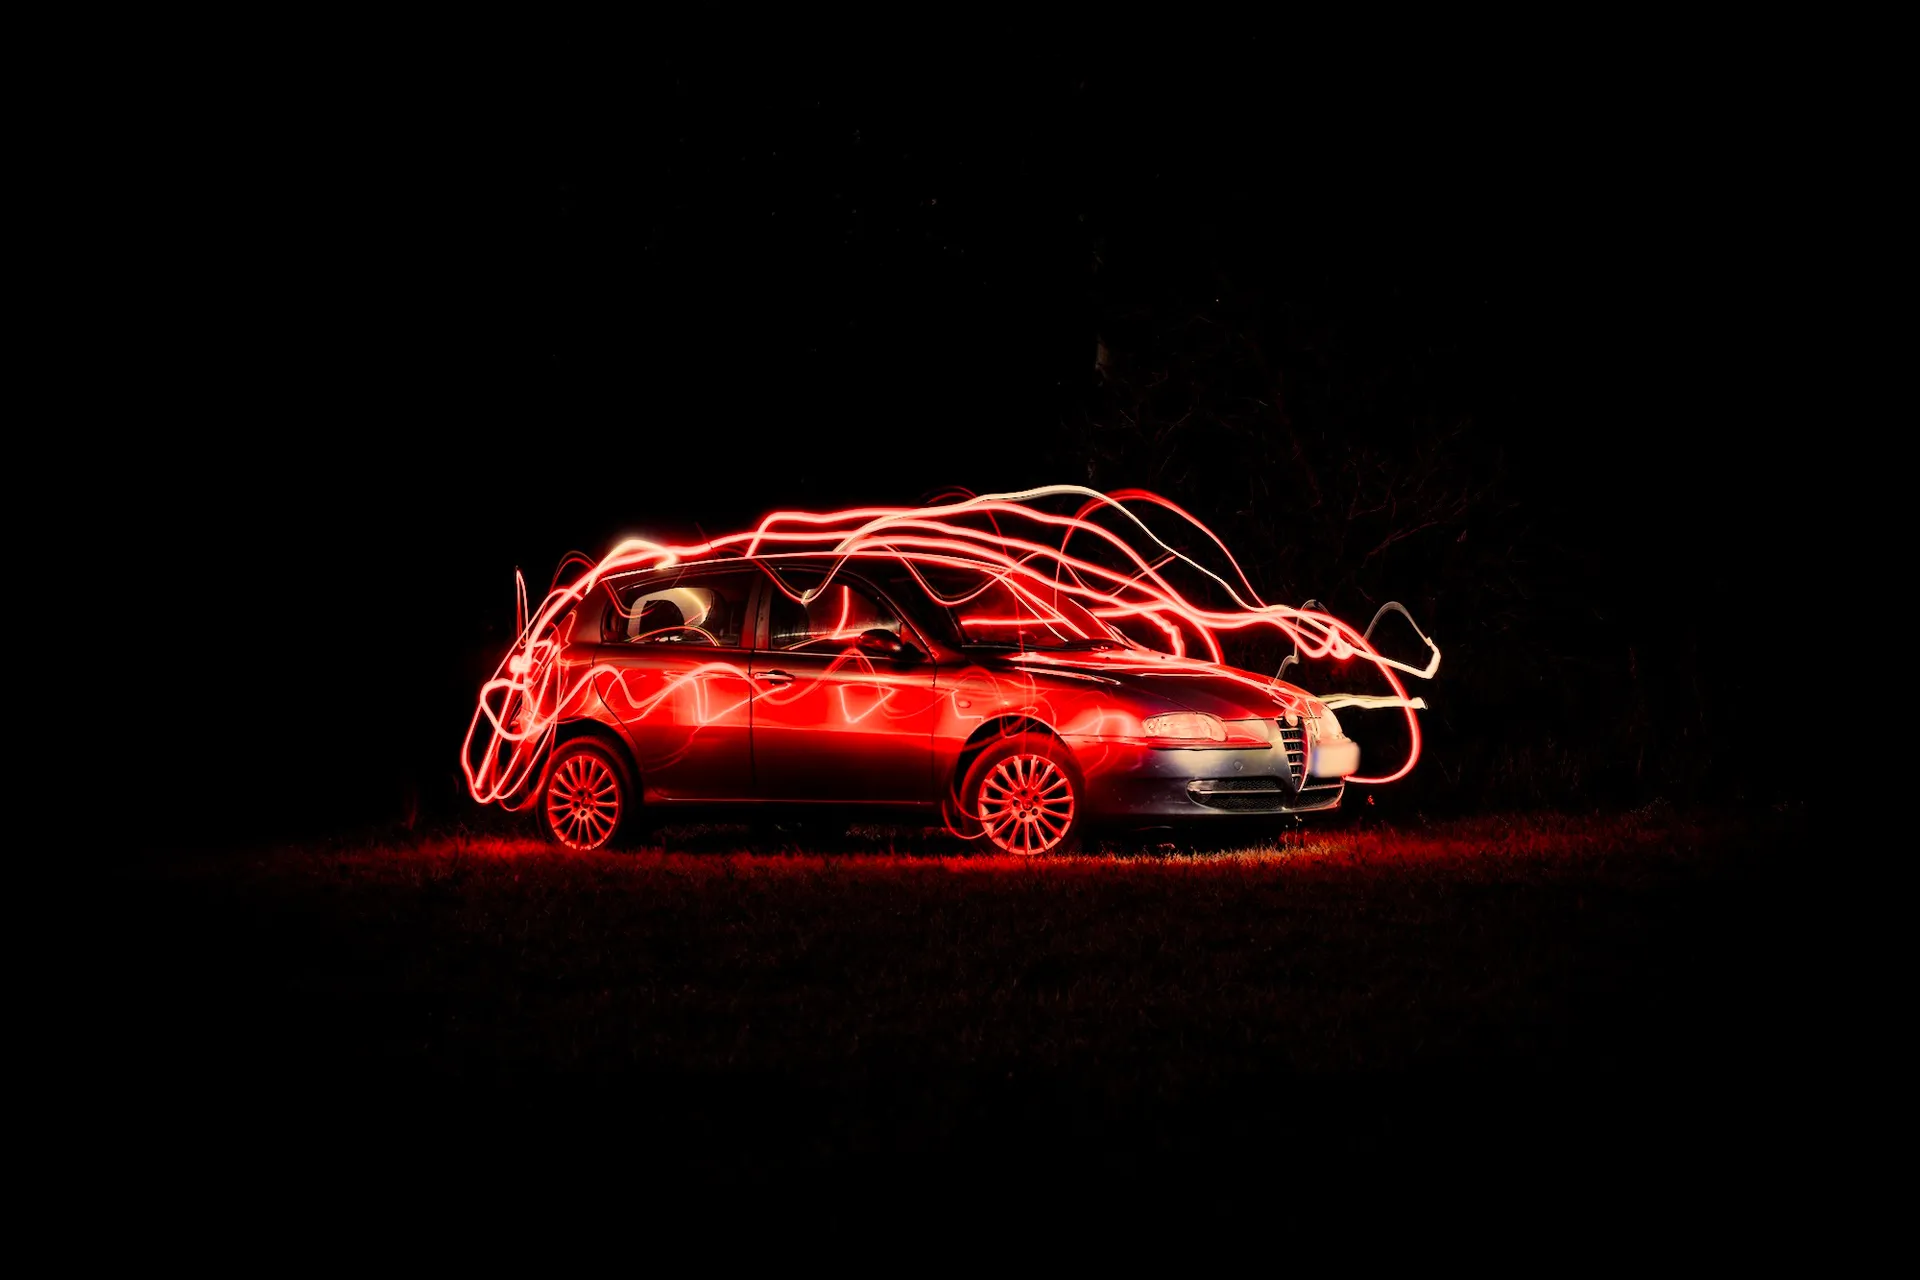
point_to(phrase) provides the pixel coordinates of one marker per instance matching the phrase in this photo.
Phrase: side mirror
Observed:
(882, 643)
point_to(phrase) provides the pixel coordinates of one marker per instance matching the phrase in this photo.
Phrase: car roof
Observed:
(814, 560)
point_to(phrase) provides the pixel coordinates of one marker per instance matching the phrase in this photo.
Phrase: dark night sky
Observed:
(415, 338)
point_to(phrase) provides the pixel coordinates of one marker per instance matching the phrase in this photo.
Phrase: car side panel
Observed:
(844, 728)
(686, 714)
(976, 693)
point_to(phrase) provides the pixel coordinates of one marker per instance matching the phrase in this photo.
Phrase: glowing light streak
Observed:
(529, 694)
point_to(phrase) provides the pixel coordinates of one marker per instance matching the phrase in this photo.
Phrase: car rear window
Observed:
(689, 609)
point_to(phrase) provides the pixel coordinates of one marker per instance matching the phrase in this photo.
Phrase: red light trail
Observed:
(1103, 556)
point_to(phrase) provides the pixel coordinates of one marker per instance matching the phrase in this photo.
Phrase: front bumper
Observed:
(1125, 780)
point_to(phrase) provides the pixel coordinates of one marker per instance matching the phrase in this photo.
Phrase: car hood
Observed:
(1186, 683)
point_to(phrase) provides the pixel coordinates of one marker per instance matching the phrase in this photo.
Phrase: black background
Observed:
(405, 336)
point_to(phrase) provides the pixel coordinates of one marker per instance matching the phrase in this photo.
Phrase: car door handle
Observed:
(776, 677)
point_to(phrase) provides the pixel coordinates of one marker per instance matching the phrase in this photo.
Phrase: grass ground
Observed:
(1556, 994)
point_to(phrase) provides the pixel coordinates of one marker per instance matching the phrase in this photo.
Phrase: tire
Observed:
(1024, 796)
(585, 799)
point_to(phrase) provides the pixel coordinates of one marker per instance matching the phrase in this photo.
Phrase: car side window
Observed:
(833, 620)
(709, 610)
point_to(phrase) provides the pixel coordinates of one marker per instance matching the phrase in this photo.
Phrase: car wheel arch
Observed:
(1007, 725)
(601, 735)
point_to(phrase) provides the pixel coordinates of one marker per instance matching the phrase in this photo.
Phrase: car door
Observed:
(836, 718)
(673, 668)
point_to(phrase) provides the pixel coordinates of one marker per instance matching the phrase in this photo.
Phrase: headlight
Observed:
(1185, 725)
(1329, 723)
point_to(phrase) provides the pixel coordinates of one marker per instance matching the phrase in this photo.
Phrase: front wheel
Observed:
(585, 797)
(1025, 796)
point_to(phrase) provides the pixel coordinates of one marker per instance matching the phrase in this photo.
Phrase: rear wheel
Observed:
(1024, 796)
(585, 797)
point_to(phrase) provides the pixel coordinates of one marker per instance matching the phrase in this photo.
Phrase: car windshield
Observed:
(1010, 613)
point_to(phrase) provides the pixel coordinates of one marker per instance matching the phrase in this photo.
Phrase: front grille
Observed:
(1264, 795)
(1240, 795)
(1293, 740)
(1244, 801)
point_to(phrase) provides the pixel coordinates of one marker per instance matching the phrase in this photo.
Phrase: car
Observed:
(930, 689)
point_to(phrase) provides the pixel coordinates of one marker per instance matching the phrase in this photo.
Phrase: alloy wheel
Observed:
(583, 801)
(1026, 804)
